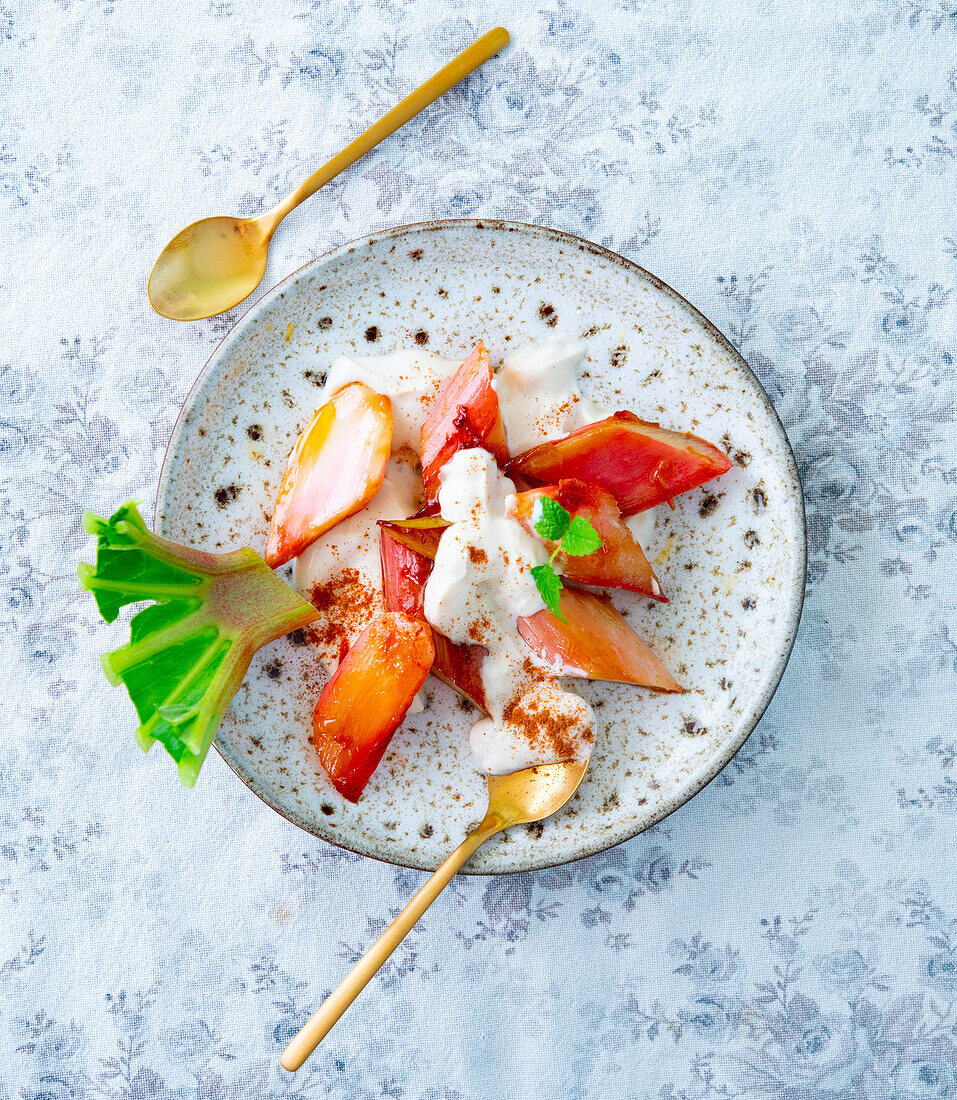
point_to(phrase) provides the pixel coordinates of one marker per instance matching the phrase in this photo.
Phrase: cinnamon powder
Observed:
(546, 732)
(346, 605)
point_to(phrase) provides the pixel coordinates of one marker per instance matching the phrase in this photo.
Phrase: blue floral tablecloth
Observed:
(791, 167)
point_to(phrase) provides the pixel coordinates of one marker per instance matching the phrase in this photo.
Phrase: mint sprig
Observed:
(575, 536)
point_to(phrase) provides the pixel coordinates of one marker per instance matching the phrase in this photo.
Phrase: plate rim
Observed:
(798, 582)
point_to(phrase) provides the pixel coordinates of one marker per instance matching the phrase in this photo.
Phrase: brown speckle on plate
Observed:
(707, 505)
(547, 313)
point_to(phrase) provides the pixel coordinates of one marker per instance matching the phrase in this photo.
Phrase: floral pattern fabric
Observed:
(791, 933)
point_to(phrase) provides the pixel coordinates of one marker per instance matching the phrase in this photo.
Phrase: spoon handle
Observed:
(457, 69)
(322, 1021)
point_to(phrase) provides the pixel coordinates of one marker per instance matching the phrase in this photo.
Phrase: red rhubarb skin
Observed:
(640, 463)
(466, 414)
(596, 641)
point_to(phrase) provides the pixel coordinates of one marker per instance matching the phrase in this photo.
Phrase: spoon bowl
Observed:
(533, 794)
(208, 267)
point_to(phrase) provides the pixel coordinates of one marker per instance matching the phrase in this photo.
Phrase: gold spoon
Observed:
(529, 795)
(213, 264)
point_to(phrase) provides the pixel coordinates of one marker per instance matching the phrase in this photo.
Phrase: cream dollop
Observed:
(538, 393)
(544, 725)
(480, 584)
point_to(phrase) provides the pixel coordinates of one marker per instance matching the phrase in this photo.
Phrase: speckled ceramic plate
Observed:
(730, 556)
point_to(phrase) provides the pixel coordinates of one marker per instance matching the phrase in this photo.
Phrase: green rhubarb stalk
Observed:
(190, 649)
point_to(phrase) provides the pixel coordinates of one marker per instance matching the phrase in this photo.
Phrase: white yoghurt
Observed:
(539, 396)
(483, 563)
(480, 584)
(642, 526)
(508, 744)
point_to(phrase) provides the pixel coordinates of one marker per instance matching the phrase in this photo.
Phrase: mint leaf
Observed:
(551, 520)
(549, 585)
(581, 538)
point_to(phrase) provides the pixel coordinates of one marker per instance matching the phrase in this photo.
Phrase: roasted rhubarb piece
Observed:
(337, 466)
(189, 650)
(367, 697)
(595, 641)
(641, 464)
(404, 575)
(460, 666)
(419, 533)
(465, 414)
(618, 563)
